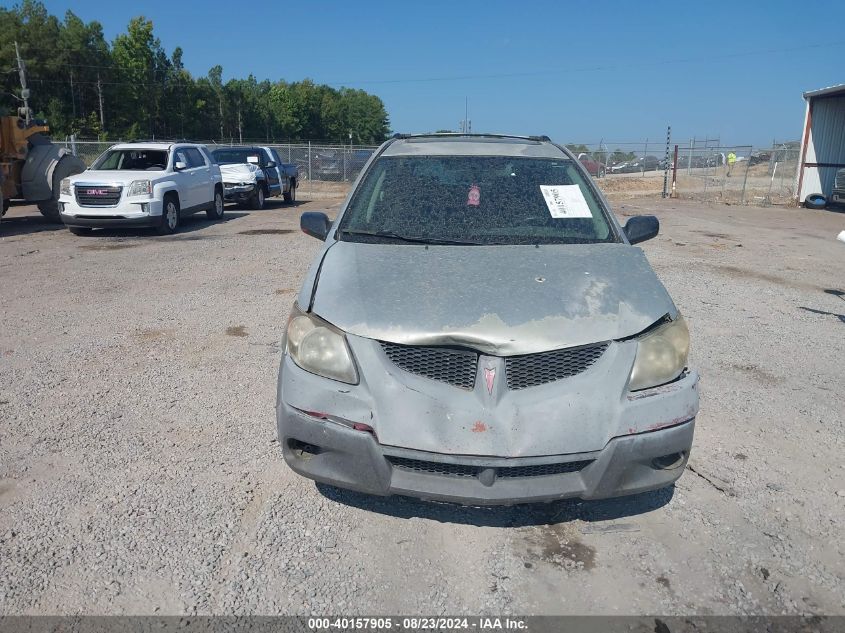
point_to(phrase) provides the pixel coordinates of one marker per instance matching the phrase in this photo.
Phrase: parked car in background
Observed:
(253, 174)
(593, 167)
(622, 167)
(837, 196)
(143, 184)
(413, 362)
(327, 165)
(759, 157)
(357, 159)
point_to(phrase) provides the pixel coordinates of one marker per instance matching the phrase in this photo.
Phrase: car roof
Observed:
(246, 148)
(154, 146)
(474, 144)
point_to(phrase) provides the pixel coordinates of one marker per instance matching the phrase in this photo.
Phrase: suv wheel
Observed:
(216, 210)
(169, 216)
(257, 200)
(290, 195)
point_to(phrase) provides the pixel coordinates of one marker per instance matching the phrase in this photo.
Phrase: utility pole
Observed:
(24, 89)
(72, 94)
(100, 97)
(240, 128)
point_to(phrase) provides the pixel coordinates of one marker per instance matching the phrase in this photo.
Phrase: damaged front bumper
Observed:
(238, 192)
(342, 456)
(397, 433)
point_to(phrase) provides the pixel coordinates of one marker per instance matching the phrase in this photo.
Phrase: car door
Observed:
(202, 188)
(272, 173)
(283, 176)
(184, 177)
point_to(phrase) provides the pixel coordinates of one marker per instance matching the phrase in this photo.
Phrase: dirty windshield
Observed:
(132, 160)
(475, 200)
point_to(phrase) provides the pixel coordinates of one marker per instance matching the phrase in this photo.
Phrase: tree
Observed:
(130, 89)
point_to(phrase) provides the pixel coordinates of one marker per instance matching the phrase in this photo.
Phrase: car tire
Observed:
(50, 208)
(290, 195)
(216, 210)
(80, 230)
(169, 215)
(256, 202)
(815, 201)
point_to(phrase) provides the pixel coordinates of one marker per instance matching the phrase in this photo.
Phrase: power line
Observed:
(595, 68)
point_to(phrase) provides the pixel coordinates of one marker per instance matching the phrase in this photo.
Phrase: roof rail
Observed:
(162, 141)
(543, 138)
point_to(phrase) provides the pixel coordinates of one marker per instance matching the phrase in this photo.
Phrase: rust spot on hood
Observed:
(479, 427)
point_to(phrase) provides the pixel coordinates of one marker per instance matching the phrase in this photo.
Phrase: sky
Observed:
(580, 72)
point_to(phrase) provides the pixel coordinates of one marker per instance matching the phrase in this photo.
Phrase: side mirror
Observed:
(271, 164)
(641, 228)
(179, 165)
(316, 224)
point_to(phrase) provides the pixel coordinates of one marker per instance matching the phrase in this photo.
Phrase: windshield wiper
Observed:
(410, 238)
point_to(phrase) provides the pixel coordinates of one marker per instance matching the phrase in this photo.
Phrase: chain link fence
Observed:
(759, 176)
(323, 169)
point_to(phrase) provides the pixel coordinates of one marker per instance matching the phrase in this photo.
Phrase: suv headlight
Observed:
(661, 355)
(319, 347)
(140, 188)
(64, 187)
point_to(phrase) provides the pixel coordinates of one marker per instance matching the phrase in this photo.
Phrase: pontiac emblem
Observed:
(489, 377)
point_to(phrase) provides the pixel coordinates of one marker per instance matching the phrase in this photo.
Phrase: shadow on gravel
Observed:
(270, 204)
(552, 513)
(24, 225)
(190, 224)
(841, 317)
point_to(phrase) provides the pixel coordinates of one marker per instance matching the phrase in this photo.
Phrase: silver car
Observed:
(478, 328)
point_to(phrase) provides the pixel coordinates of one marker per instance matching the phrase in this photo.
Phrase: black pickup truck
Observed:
(253, 174)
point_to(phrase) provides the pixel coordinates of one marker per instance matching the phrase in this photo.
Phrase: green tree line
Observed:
(131, 88)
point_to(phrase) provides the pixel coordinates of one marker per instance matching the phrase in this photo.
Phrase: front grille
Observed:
(464, 470)
(541, 469)
(435, 468)
(97, 196)
(545, 367)
(840, 180)
(456, 367)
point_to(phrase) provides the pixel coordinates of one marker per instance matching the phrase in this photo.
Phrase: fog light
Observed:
(303, 450)
(669, 462)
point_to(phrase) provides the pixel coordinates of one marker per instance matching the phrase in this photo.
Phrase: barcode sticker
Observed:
(565, 201)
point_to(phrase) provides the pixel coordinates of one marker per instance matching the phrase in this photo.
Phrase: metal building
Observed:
(823, 141)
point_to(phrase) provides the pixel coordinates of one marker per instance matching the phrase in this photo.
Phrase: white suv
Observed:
(143, 184)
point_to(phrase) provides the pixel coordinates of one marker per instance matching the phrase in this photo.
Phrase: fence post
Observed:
(674, 173)
(73, 144)
(310, 179)
(745, 178)
(666, 164)
(645, 153)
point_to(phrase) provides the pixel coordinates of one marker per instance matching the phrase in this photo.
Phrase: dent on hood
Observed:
(491, 335)
(503, 301)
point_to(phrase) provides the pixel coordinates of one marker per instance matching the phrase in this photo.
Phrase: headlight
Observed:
(64, 187)
(661, 355)
(140, 188)
(319, 347)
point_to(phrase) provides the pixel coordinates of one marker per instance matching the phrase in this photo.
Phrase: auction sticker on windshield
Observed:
(565, 201)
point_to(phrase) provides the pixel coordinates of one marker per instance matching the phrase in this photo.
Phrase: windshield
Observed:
(233, 156)
(132, 160)
(475, 200)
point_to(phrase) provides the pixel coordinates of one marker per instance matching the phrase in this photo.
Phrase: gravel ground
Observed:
(140, 473)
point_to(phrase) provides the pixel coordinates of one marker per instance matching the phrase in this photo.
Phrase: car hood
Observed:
(244, 171)
(500, 300)
(116, 176)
